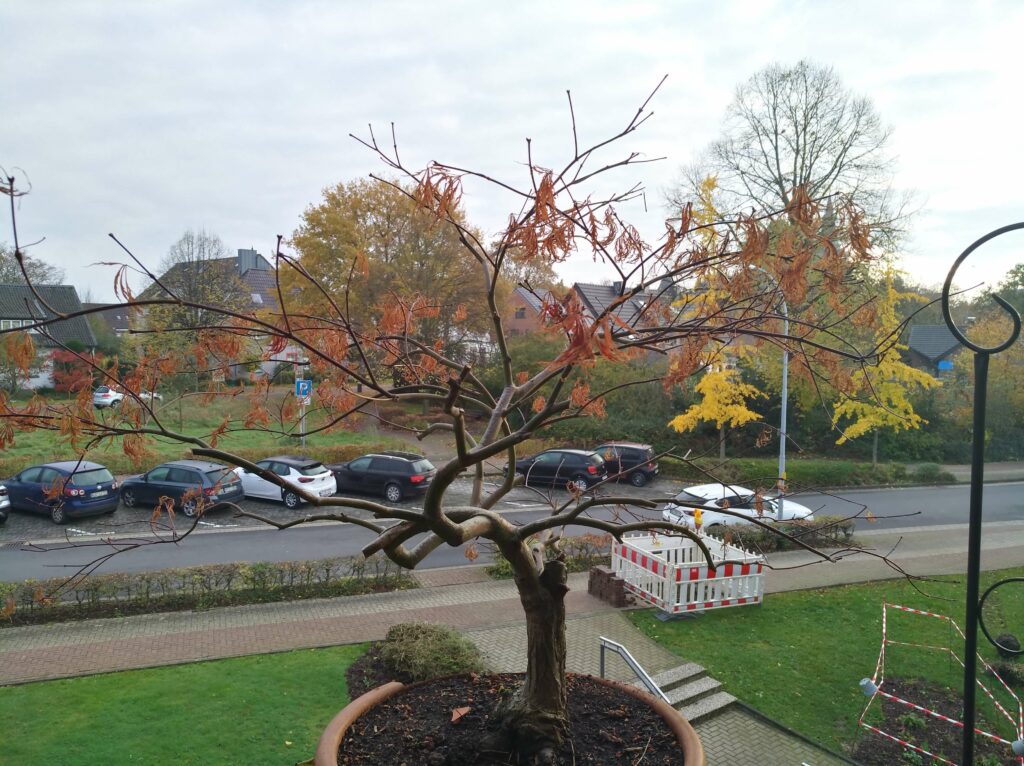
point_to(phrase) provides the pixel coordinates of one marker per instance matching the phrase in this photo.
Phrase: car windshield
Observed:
(422, 466)
(686, 497)
(102, 390)
(218, 475)
(313, 469)
(95, 476)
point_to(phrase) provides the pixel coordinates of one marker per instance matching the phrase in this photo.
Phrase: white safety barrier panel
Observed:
(672, 573)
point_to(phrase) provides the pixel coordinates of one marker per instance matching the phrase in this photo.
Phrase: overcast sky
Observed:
(145, 119)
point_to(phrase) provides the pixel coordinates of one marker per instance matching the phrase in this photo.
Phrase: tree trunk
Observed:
(721, 442)
(874, 451)
(534, 720)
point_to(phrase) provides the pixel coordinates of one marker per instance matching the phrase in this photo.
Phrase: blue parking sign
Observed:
(303, 388)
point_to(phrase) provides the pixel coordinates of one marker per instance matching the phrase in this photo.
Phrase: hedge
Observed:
(823, 532)
(199, 587)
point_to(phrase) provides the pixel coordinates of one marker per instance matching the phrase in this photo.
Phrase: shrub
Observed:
(199, 587)
(419, 651)
(930, 473)
(823, 532)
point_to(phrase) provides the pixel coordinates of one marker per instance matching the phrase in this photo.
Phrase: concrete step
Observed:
(693, 691)
(680, 674)
(707, 706)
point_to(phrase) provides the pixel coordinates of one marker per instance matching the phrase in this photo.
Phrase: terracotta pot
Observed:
(330, 740)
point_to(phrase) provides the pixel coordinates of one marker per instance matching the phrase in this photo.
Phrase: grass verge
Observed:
(799, 656)
(250, 711)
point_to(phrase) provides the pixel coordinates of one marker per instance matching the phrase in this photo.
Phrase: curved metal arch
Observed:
(1014, 315)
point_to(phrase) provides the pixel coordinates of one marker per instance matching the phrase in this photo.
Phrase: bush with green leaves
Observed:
(930, 473)
(823, 532)
(581, 553)
(420, 651)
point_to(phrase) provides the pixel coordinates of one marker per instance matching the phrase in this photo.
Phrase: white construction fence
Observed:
(672, 574)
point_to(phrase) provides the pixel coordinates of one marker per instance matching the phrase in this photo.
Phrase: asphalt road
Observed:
(225, 538)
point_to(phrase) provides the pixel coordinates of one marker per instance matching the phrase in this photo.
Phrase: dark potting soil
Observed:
(415, 727)
(925, 731)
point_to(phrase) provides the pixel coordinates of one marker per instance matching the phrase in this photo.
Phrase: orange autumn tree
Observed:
(558, 211)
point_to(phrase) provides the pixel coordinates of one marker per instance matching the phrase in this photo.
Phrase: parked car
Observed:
(393, 474)
(301, 472)
(735, 498)
(151, 396)
(105, 396)
(183, 481)
(563, 468)
(5, 504)
(64, 490)
(632, 462)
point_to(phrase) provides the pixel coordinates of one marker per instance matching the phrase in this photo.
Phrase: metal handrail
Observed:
(623, 652)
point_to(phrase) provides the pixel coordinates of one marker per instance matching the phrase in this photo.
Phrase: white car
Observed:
(105, 396)
(5, 503)
(735, 498)
(152, 396)
(300, 472)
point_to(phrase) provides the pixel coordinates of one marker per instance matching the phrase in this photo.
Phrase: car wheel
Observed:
(393, 493)
(577, 483)
(128, 498)
(188, 507)
(57, 514)
(291, 500)
(638, 478)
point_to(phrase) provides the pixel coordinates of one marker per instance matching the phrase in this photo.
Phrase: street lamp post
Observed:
(781, 480)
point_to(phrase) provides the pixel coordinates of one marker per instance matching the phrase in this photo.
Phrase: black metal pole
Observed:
(974, 555)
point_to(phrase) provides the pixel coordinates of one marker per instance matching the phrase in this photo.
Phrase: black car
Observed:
(562, 468)
(630, 461)
(392, 474)
(185, 482)
(64, 490)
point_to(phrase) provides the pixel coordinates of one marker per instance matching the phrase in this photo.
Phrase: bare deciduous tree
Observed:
(799, 126)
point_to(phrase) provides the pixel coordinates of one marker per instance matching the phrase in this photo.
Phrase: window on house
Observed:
(520, 313)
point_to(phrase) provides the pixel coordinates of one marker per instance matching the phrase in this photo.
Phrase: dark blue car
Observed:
(64, 490)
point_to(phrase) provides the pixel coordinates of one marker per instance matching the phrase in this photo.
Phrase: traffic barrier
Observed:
(672, 573)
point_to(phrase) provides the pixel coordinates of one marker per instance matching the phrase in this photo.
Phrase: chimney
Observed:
(250, 259)
(617, 287)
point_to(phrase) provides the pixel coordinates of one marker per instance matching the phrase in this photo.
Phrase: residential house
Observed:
(524, 311)
(19, 307)
(931, 347)
(114, 315)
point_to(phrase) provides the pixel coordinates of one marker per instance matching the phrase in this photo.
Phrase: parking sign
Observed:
(303, 388)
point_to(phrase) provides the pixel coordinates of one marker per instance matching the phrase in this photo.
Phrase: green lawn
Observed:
(252, 711)
(799, 656)
(192, 416)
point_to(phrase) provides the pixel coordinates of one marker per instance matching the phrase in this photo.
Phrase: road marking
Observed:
(219, 526)
(81, 531)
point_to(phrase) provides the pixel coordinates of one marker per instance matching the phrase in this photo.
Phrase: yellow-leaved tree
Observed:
(723, 401)
(880, 395)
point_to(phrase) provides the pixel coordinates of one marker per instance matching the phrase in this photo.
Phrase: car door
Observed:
(382, 469)
(41, 494)
(612, 458)
(21, 486)
(152, 485)
(256, 486)
(545, 467)
(183, 480)
(352, 476)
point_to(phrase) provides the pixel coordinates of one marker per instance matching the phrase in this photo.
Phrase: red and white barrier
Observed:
(672, 574)
(1012, 711)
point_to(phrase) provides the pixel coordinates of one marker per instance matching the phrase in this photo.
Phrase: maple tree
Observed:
(558, 210)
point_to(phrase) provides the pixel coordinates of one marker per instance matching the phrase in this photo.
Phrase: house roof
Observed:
(932, 341)
(532, 300)
(597, 299)
(262, 283)
(18, 302)
(251, 268)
